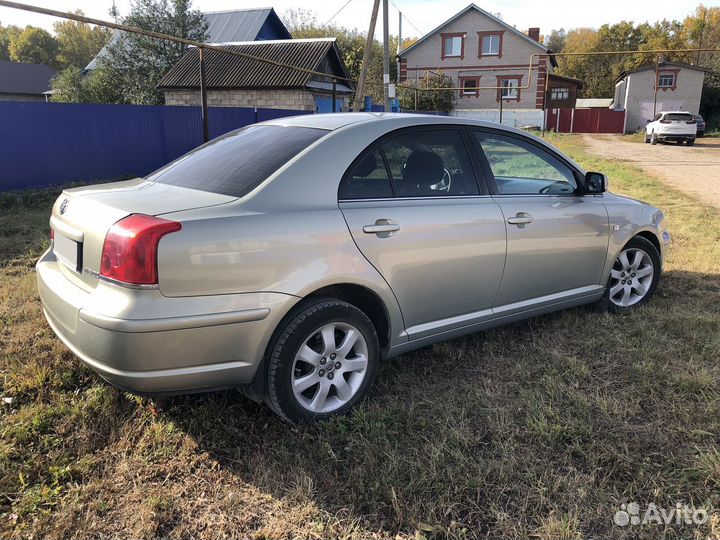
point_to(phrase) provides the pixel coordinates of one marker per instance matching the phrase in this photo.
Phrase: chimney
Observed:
(534, 33)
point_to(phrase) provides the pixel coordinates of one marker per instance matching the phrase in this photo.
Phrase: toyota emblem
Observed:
(63, 206)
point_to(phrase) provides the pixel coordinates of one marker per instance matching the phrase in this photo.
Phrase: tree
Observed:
(97, 86)
(556, 40)
(137, 62)
(429, 100)
(78, 42)
(34, 46)
(303, 23)
(7, 35)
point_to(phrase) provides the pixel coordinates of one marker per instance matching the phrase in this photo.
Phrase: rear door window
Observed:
(367, 179)
(236, 163)
(678, 117)
(430, 163)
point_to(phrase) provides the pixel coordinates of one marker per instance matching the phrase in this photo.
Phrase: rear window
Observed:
(679, 117)
(237, 162)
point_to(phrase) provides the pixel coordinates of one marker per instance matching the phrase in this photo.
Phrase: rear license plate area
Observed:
(68, 252)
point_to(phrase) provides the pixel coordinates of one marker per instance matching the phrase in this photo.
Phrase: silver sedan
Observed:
(288, 258)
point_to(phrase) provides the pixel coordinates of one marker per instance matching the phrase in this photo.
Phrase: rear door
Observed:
(556, 240)
(416, 211)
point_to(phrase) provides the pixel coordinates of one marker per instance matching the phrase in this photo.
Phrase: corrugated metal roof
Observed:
(19, 78)
(223, 26)
(229, 71)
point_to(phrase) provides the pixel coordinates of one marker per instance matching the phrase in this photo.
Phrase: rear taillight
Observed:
(665, 122)
(52, 234)
(130, 250)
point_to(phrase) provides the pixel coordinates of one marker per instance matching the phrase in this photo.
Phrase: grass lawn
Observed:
(538, 429)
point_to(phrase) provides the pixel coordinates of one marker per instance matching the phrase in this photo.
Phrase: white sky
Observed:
(425, 14)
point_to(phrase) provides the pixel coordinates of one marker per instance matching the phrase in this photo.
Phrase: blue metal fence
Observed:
(54, 143)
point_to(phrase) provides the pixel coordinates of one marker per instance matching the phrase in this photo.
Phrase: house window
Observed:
(510, 89)
(453, 45)
(559, 94)
(490, 44)
(470, 86)
(666, 80)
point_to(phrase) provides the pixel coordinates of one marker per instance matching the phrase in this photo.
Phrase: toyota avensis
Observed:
(288, 258)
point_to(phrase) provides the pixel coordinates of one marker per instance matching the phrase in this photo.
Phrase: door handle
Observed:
(521, 219)
(382, 227)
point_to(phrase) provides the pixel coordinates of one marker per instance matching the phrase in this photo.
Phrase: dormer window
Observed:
(453, 45)
(490, 44)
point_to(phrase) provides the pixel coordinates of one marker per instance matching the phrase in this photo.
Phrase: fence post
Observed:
(203, 97)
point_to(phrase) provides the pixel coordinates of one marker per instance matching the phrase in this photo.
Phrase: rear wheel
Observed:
(691, 142)
(323, 362)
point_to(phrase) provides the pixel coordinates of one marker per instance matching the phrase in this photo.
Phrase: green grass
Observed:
(541, 429)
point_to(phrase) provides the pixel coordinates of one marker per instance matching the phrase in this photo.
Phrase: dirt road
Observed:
(695, 169)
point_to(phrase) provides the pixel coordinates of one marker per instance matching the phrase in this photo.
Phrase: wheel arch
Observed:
(363, 298)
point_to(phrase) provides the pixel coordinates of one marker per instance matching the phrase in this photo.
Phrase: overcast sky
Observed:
(424, 14)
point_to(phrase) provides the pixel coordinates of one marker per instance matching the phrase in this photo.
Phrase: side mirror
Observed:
(595, 183)
(648, 121)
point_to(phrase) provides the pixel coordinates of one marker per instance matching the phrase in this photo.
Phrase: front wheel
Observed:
(653, 138)
(323, 361)
(634, 276)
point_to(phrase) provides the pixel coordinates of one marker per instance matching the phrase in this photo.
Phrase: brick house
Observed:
(234, 81)
(647, 90)
(477, 49)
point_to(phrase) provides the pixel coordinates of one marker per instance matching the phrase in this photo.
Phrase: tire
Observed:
(330, 378)
(647, 139)
(691, 142)
(653, 138)
(613, 302)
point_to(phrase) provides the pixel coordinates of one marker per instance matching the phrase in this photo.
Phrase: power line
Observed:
(337, 13)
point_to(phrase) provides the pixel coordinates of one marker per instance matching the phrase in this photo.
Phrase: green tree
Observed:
(555, 41)
(7, 35)
(429, 100)
(136, 62)
(97, 86)
(78, 42)
(34, 46)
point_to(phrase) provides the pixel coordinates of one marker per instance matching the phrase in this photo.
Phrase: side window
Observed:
(430, 163)
(521, 168)
(368, 179)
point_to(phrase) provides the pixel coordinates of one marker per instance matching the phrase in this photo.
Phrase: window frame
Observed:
(452, 35)
(478, 172)
(559, 90)
(490, 33)
(518, 81)
(490, 177)
(667, 73)
(463, 80)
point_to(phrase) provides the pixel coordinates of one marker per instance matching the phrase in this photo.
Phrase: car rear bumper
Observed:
(676, 136)
(146, 343)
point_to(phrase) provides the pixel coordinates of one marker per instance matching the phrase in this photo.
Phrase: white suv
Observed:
(672, 126)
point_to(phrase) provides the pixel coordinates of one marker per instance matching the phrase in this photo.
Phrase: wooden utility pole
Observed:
(386, 56)
(399, 47)
(360, 90)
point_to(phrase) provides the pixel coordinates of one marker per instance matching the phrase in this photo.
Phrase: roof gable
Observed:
(19, 78)
(661, 65)
(486, 14)
(230, 71)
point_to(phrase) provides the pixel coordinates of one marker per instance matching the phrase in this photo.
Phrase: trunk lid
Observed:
(81, 218)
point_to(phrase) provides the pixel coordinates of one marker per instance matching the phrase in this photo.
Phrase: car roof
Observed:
(393, 121)
(678, 112)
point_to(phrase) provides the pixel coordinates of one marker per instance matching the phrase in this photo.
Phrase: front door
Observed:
(416, 211)
(557, 240)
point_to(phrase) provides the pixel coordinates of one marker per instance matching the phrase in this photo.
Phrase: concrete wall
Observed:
(514, 61)
(640, 94)
(511, 117)
(296, 99)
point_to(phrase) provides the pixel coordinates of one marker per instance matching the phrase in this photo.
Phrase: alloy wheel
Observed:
(631, 277)
(330, 367)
